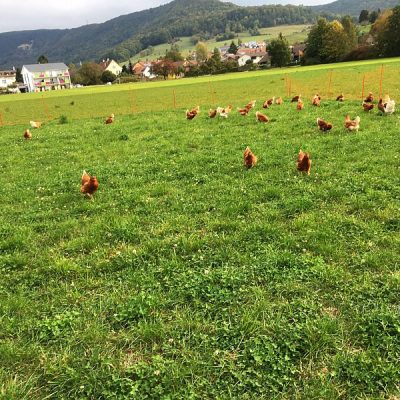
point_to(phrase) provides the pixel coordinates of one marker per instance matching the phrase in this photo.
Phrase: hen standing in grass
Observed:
(389, 105)
(89, 184)
(370, 98)
(340, 97)
(381, 106)
(224, 112)
(27, 134)
(193, 113)
(300, 105)
(110, 119)
(323, 125)
(352, 125)
(268, 103)
(250, 160)
(316, 100)
(212, 113)
(260, 117)
(368, 107)
(295, 99)
(244, 111)
(304, 162)
(35, 124)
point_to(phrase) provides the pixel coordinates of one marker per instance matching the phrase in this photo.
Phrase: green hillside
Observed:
(126, 35)
(354, 7)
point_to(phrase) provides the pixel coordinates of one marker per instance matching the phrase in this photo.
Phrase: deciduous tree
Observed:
(279, 51)
(364, 16)
(201, 51)
(233, 49)
(389, 39)
(42, 59)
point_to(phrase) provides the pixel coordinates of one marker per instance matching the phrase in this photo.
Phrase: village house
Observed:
(253, 54)
(7, 78)
(41, 77)
(143, 70)
(112, 66)
(297, 52)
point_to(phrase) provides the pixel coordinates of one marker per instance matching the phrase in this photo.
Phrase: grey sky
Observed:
(40, 14)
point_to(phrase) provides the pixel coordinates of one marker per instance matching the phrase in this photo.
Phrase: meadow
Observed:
(188, 276)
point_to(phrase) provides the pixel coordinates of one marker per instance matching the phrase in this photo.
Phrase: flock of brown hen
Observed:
(386, 106)
(90, 184)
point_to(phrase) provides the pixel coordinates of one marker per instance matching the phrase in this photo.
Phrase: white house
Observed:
(112, 66)
(143, 70)
(242, 59)
(41, 77)
(7, 78)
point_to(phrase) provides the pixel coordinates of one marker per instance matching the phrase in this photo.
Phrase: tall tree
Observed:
(330, 42)
(351, 33)
(364, 16)
(42, 59)
(201, 51)
(164, 67)
(379, 29)
(334, 43)
(315, 40)
(173, 54)
(389, 42)
(373, 16)
(279, 51)
(125, 69)
(216, 55)
(233, 49)
(18, 75)
(130, 67)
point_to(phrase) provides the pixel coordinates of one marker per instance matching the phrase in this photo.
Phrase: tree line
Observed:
(337, 41)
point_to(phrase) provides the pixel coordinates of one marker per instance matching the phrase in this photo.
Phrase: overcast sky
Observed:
(39, 14)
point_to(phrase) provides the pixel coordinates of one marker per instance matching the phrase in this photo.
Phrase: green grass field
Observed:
(235, 88)
(188, 276)
(293, 33)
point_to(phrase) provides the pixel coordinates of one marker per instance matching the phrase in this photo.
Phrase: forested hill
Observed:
(354, 7)
(128, 34)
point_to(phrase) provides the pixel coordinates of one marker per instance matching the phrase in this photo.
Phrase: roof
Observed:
(106, 63)
(138, 68)
(8, 73)
(298, 49)
(265, 59)
(252, 52)
(45, 67)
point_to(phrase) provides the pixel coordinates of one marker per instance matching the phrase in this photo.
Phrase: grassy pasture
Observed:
(189, 277)
(235, 88)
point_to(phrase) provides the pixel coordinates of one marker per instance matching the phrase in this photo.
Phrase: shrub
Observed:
(63, 119)
(108, 76)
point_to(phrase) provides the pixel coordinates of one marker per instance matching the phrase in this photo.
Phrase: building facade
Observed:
(112, 66)
(7, 78)
(42, 77)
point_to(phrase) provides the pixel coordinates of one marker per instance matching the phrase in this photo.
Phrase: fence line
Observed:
(381, 81)
(326, 83)
(132, 100)
(46, 109)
